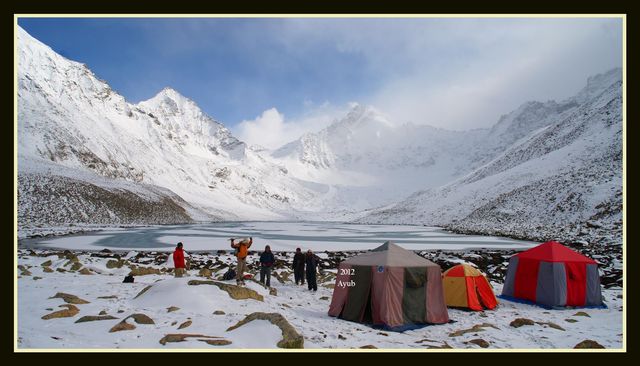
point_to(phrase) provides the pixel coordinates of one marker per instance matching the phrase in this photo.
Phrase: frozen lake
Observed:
(282, 236)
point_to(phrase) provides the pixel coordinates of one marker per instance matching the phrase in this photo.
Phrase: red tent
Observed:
(553, 275)
(466, 287)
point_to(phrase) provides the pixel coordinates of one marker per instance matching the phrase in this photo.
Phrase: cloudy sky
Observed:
(270, 80)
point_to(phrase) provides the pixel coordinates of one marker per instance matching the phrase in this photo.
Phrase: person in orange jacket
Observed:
(242, 248)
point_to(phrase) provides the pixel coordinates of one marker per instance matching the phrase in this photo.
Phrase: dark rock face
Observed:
(50, 198)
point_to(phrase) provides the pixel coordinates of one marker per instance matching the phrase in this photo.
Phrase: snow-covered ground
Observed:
(306, 311)
(281, 236)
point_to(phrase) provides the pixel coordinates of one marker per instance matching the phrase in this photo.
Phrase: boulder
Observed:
(480, 342)
(185, 324)
(72, 260)
(102, 312)
(76, 266)
(552, 325)
(235, 292)
(589, 344)
(582, 313)
(47, 269)
(91, 318)
(112, 263)
(71, 310)
(69, 299)
(61, 270)
(46, 264)
(216, 342)
(141, 271)
(475, 328)
(143, 291)
(444, 346)
(569, 320)
(172, 308)
(85, 271)
(36, 278)
(368, 346)
(273, 291)
(181, 337)
(204, 272)
(517, 323)
(108, 297)
(123, 325)
(141, 318)
(290, 337)
(218, 312)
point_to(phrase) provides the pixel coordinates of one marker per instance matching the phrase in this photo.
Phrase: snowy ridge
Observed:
(69, 117)
(166, 149)
(563, 181)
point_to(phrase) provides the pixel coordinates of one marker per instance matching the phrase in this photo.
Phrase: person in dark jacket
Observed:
(178, 261)
(298, 266)
(266, 263)
(311, 261)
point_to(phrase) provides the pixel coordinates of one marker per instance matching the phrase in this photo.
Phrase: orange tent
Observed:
(465, 286)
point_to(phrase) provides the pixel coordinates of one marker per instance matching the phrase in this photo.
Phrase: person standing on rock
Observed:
(242, 252)
(178, 261)
(298, 267)
(266, 263)
(311, 261)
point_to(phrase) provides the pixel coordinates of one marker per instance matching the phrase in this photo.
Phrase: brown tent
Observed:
(389, 287)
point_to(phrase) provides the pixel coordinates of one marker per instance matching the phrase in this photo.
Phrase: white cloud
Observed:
(465, 73)
(271, 130)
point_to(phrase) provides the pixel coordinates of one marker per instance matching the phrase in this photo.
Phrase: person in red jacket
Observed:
(178, 261)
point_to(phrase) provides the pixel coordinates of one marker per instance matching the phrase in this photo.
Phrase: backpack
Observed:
(229, 275)
(128, 279)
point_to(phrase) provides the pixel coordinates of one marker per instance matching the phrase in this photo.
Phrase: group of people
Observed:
(304, 265)
(309, 261)
(300, 261)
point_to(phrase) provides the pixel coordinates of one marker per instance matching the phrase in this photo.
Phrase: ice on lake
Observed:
(281, 236)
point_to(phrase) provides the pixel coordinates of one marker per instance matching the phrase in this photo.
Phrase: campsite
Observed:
(325, 182)
(201, 311)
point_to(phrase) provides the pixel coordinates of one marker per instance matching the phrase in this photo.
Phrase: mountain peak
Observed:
(364, 115)
(169, 93)
(171, 102)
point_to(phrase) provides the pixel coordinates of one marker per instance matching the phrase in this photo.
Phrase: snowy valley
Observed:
(87, 157)
(147, 175)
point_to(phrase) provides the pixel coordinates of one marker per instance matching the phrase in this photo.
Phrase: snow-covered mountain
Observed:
(367, 160)
(561, 180)
(70, 118)
(86, 155)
